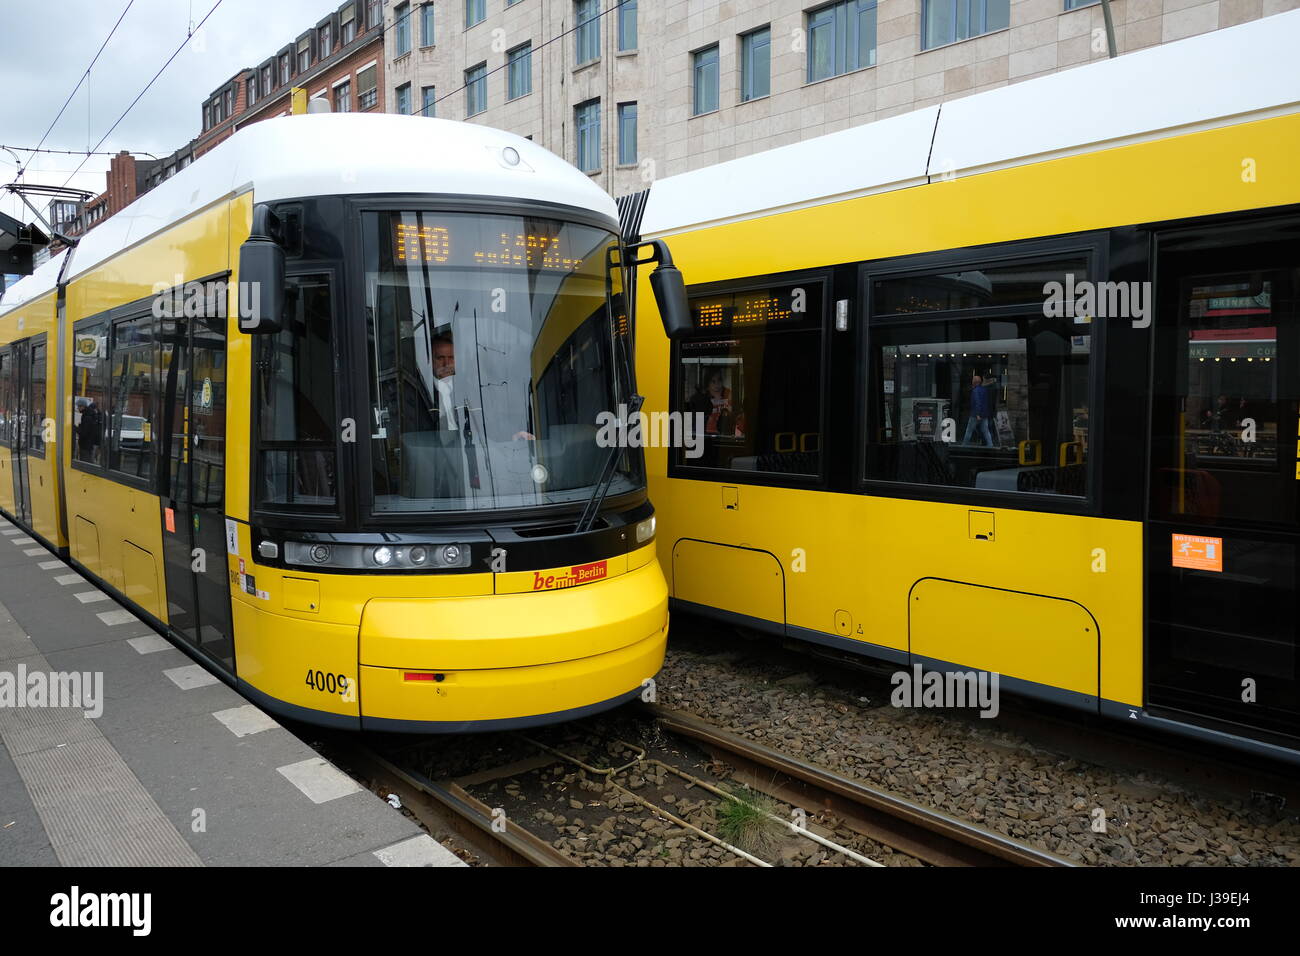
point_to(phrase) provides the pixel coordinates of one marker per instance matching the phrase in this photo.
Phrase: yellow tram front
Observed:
(442, 535)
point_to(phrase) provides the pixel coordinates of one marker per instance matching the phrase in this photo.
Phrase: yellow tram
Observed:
(1010, 384)
(322, 407)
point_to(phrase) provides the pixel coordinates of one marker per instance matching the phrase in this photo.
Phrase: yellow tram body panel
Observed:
(860, 567)
(501, 654)
(115, 530)
(37, 322)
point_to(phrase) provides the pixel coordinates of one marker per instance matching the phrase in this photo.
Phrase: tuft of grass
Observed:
(743, 822)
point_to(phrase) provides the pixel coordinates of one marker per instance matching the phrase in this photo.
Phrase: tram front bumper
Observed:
(508, 660)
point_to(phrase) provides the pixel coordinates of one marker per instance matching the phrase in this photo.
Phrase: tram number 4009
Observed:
(329, 683)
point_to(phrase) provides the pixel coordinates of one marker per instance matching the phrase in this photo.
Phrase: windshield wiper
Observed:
(607, 473)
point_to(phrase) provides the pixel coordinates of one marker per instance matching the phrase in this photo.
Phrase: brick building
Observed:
(340, 58)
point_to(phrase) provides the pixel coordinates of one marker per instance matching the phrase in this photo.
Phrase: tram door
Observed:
(193, 493)
(21, 422)
(1223, 544)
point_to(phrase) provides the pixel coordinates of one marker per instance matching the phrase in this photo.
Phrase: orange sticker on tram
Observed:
(578, 574)
(1200, 553)
(170, 517)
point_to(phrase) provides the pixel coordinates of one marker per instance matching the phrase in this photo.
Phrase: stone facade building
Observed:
(643, 89)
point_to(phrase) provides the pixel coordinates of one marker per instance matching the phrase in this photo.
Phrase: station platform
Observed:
(176, 768)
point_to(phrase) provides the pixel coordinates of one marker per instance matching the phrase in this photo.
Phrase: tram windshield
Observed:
(491, 358)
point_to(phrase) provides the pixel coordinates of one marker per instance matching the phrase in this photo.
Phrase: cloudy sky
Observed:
(46, 45)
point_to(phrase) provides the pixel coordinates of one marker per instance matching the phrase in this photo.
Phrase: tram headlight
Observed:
(394, 556)
(645, 530)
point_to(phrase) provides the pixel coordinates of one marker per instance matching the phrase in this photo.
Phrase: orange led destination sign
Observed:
(1198, 552)
(526, 250)
(759, 308)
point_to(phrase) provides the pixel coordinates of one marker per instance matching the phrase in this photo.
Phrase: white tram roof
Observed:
(1226, 76)
(325, 154)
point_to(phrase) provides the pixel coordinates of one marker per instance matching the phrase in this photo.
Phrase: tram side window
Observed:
(89, 393)
(996, 402)
(6, 403)
(131, 428)
(36, 434)
(295, 394)
(752, 398)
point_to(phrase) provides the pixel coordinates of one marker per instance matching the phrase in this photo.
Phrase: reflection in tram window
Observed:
(996, 404)
(1226, 413)
(1231, 407)
(295, 390)
(131, 430)
(89, 392)
(36, 438)
(6, 388)
(491, 358)
(756, 383)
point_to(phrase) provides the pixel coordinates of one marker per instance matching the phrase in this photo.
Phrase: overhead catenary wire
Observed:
(189, 36)
(80, 80)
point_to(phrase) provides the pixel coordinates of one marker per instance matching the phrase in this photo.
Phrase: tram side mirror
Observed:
(261, 275)
(669, 288)
(670, 297)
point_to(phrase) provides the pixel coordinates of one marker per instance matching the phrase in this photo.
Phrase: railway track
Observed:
(848, 822)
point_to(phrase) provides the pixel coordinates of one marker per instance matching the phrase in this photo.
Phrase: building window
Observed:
(706, 80)
(207, 116)
(250, 92)
(586, 120)
(367, 88)
(627, 25)
(426, 25)
(587, 13)
(227, 104)
(374, 13)
(476, 89)
(404, 99)
(266, 80)
(402, 28)
(428, 97)
(475, 12)
(343, 97)
(841, 38)
(626, 134)
(1076, 4)
(326, 47)
(755, 64)
(284, 68)
(947, 21)
(304, 54)
(519, 71)
(348, 24)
